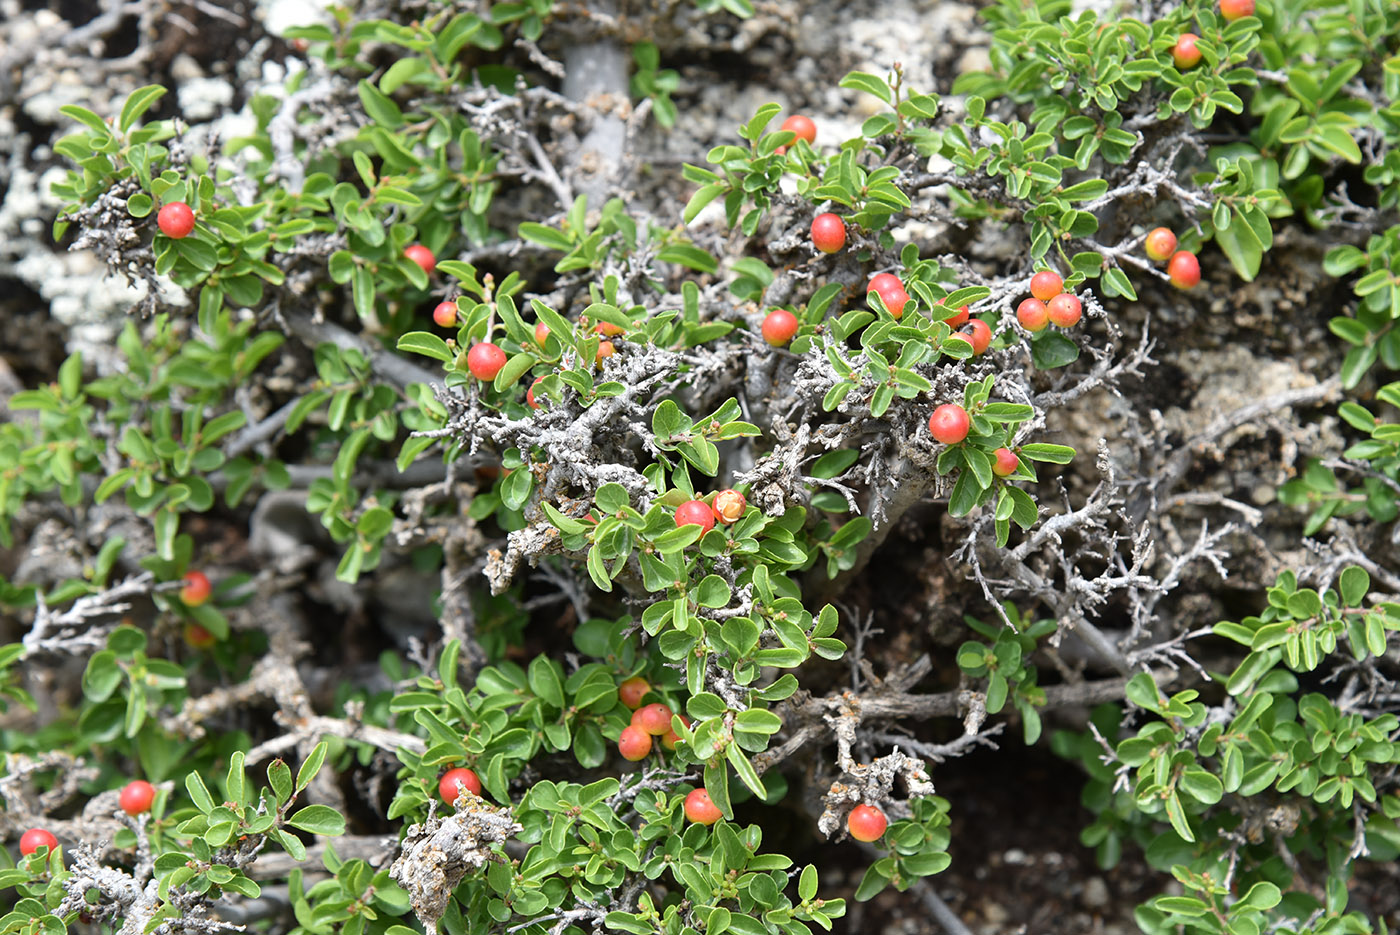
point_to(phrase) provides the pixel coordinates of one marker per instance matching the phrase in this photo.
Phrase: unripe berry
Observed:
(541, 333)
(1185, 53)
(530, 394)
(696, 513)
(949, 423)
(607, 329)
(1033, 315)
(1065, 310)
(447, 785)
(1159, 244)
(633, 690)
(958, 318)
(422, 256)
(1045, 285)
(1235, 9)
(605, 350)
(34, 838)
(198, 637)
(137, 797)
(197, 588)
(802, 126)
(729, 505)
(779, 326)
(1184, 269)
(891, 291)
(485, 360)
(445, 315)
(634, 744)
(866, 823)
(655, 719)
(828, 233)
(1006, 462)
(176, 220)
(700, 808)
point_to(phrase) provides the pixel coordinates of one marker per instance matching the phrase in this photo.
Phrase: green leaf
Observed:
(1050, 350)
(427, 344)
(312, 765)
(318, 819)
(872, 84)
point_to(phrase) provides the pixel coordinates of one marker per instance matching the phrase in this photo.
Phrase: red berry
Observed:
(949, 423)
(607, 329)
(300, 45)
(530, 394)
(633, 690)
(671, 738)
(866, 823)
(1159, 244)
(802, 126)
(447, 785)
(1184, 269)
(1033, 315)
(1185, 53)
(980, 334)
(696, 513)
(958, 318)
(197, 588)
(1045, 285)
(891, 292)
(422, 256)
(700, 808)
(34, 838)
(729, 506)
(605, 349)
(445, 314)
(779, 326)
(541, 332)
(1065, 310)
(655, 719)
(634, 744)
(485, 360)
(828, 233)
(1234, 9)
(176, 220)
(198, 637)
(1006, 462)
(137, 797)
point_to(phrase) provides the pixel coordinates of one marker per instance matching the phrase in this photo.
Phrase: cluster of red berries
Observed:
(1183, 268)
(950, 424)
(1049, 304)
(727, 507)
(648, 721)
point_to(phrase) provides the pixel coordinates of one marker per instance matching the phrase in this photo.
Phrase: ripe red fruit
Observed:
(697, 513)
(447, 785)
(34, 838)
(729, 505)
(633, 690)
(866, 823)
(176, 220)
(530, 394)
(828, 233)
(1033, 315)
(1065, 310)
(422, 256)
(949, 423)
(137, 797)
(1159, 244)
(607, 329)
(485, 360)
(445, 314)
(1185, 53)
(1184, 269)
(802, 126)
(891, 292)
(1045, 285)
(977, 333)
(634, 744)
(1006, 462)
(605, 349)
(700, 808)
(655, 718)
(541, 332)
(958, 318)
(198, 637)
(1234, 9)
(197, 588)
(779, 327)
